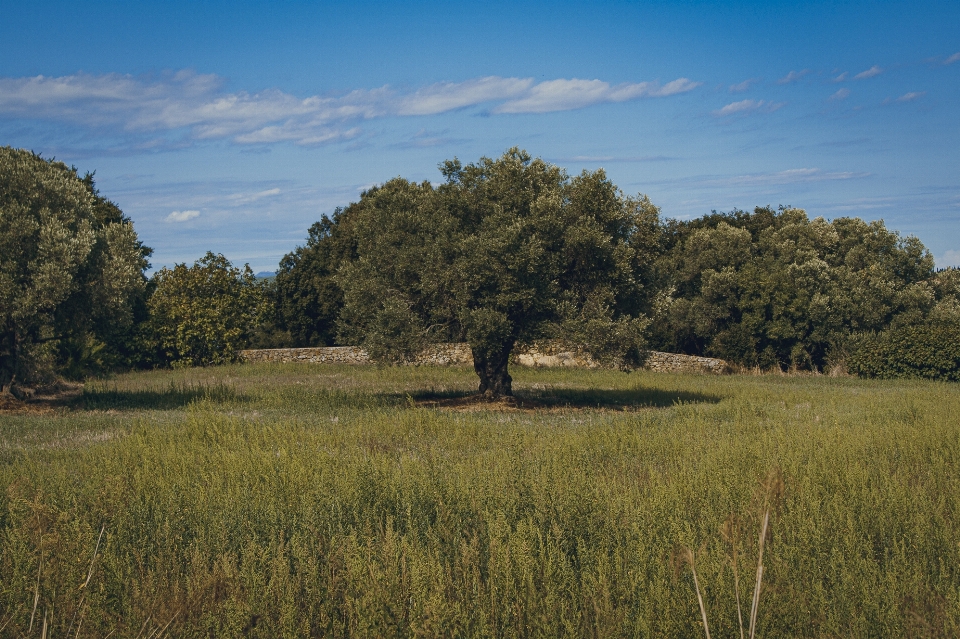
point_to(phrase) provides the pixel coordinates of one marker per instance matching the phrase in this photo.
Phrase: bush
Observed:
(930, 350)
(203, 314)
(777, 290)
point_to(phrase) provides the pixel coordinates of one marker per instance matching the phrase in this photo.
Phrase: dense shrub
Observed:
(203, 314)
(775, 289)
(928, 350)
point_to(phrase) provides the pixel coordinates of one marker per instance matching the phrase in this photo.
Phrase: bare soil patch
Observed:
(44, 400)
(476, 402)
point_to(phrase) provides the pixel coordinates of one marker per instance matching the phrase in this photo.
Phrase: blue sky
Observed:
(233, 126)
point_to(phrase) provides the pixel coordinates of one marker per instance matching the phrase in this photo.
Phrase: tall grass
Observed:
(326, 501)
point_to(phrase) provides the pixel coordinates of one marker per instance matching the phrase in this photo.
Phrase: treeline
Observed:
(504, 251)
(768, 289)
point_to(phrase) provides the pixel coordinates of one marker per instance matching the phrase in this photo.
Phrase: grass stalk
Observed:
(94, 558)
(80, 623)
(36, 592)
(756, 590)
(736, 589)
(696, 584)
(6, 623)
(164, 629)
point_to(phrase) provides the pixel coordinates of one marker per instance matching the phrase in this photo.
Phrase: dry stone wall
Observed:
(541, 354)
(320, 355)
(676, 363)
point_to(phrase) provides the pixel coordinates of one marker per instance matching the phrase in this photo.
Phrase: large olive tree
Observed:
(505, 251)
(70, 262)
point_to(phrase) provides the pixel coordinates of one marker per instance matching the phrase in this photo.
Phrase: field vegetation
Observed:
(289, 500)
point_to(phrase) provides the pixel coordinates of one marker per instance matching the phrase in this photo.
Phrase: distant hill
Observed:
(265, 275)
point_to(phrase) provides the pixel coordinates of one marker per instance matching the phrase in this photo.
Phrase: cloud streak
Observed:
(743, 86)
(182, 216)
(246, 198)
(760, 180)
(152, 108)
(747, 106)
(566, 95)
(869, 73)
(793, 76)
(910, 97)
(792, 176)
(616, 158)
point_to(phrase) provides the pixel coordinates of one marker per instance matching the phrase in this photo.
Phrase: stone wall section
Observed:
(321, 355)
(538, 355)
(676, 363)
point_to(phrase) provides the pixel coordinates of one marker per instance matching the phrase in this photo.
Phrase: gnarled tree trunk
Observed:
(491, 367)
(9, 351)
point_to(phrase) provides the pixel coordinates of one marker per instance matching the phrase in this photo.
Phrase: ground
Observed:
(311, 500)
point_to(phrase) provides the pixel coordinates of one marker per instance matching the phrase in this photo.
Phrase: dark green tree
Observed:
(108, 345)
(307, 296)
(775, 289)
(71, 266)
(505, 251)
(203, 314)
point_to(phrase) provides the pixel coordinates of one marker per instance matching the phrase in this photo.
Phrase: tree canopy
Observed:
(308, 298)
(505, 251)
(203, 314)
(70, 263)
(775, 289)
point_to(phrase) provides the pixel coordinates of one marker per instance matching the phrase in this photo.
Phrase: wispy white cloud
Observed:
(565, 95)
(616, 158)
(841, 94)
(950, 257)
(869, 73)
(182, 216)
(791, 176)
(793, 76)
(954, 58)
(743, 86)
(447, 96)
(304, 133)
(913, 95)
(746, 106)
(246, 198)
(860, 204)
(750, 181)
(426, 139)
(842, 77)
(196, 107)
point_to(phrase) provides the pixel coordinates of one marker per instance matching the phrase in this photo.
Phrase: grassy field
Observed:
(292, 500)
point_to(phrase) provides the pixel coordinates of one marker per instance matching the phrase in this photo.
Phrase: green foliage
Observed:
(307, 297)
(924, 349)
(505, 251)
(203, 314)
(71, 268)
(775, 289)
(298, 500)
